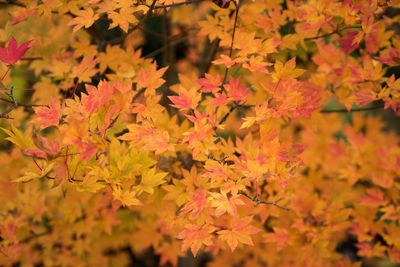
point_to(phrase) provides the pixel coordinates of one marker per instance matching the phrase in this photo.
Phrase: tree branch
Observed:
(352, 110)
(258, 201)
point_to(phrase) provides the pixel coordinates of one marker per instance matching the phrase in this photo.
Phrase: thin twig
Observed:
(233, 38)
(145, 18)
(211, 52)
(211, 156)
(258, 201)
(337, 31)
(175, 4)
(14, 106)
(8, 69)
(23, 105)
(161, 49)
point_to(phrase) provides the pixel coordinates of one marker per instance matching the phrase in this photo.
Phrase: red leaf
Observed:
(13, 52)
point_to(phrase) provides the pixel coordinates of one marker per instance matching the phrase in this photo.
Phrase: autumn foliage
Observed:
(245, 133)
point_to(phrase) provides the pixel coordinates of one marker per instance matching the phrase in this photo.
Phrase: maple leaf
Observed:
(220, 99)
(347, 42)
(236, 89)
(84, 18)
(16, 137)
(210, 84)
(373, 198)
(150, 180)
(123, 18)
(86, 69)
(239, 231)
(13, 52)
(158, 141)
(194, 236)
(49, 116)
(45, 147)
(22, 15)
(286, 71)
(197, 204)
(150, 79)
(228, 62)
(366, 250)
(280, 236)
(31, 175)
(256, 64)
(225, 204)
(186, 99)
(177, 192)
(127, 197)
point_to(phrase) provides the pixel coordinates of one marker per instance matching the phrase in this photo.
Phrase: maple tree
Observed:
(252, 136)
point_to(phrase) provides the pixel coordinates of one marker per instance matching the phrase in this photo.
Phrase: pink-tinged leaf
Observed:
(364, 98)
(373, 198)
(35, 152)
(186, 99)
(236, 89)
(23, 14)
(88, 151)
(220, 99)
(49, 116)
(150, 79)
(197, 204)
(256, 64)
(280, 237)
(107, 120)
(86, 69)
(13, 52)
(227, 61)
(347, 43)
(366, 250)
(392, 59)
(210, 84)
(45, 147)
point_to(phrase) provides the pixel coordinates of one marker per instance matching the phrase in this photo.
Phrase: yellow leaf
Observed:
(248, 122)
(18, 138)
(27, 177)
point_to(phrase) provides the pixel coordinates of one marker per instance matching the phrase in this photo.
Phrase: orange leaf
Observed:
(240, 231)
(197, 204)
(84, 18)
(150, 79)
(194, 236)
(225, 204)
(186, 99)
(280, 236)
(373, 198)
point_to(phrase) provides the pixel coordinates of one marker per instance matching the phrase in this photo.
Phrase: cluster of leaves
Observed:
(228, 150)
